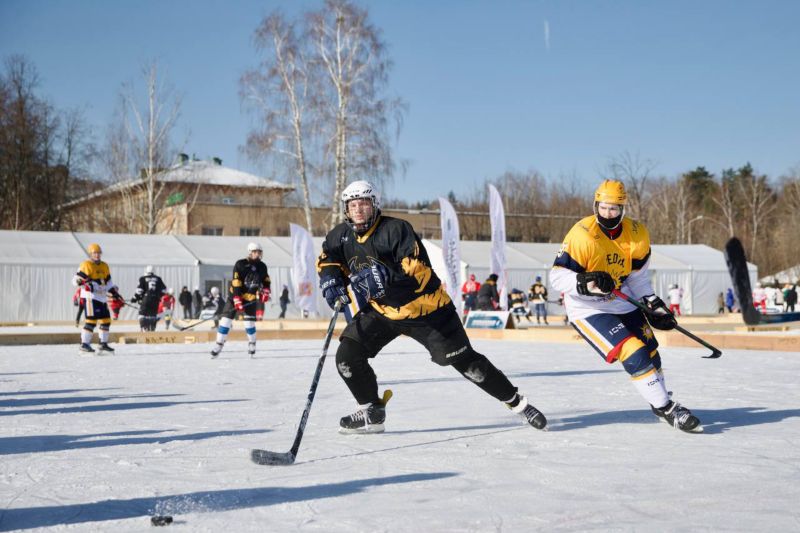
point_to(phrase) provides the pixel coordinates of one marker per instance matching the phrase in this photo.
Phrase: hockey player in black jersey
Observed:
(380, 262)
(149, 292)
(250, 284)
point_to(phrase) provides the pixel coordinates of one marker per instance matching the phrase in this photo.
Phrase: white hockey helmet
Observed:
(254, 247)
(214, 290)
(170, 291)
(148, 269)
(361, 189)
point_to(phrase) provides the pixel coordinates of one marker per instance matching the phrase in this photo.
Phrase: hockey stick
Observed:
(740, 278)
(127, 304)
(184, 328)
(715, 352)
(265, 457)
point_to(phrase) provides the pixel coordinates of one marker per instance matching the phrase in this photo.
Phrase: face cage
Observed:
(370, 221)
(600, 219)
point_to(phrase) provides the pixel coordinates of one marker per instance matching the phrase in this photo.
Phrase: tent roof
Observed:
(136, 249)
(45, 247)
(211, 250)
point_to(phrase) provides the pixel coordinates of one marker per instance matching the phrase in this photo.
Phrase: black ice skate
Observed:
(679, 417)
(85, 348)
(251, 349)
(104, 347)
(531, 414)
(216, 349)
(369, 419)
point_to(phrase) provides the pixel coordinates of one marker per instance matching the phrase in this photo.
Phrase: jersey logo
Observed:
(615, 259)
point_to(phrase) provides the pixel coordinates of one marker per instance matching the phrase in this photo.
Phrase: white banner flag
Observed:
(451, 252)
(304, 269)
(497, 216)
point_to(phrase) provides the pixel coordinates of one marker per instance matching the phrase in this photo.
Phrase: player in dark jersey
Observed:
(378, 266)
(250, 284)
(148, 294)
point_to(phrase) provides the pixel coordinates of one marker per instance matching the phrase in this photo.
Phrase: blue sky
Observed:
(681, 83)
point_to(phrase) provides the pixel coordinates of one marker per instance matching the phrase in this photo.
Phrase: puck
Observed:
(161, 520)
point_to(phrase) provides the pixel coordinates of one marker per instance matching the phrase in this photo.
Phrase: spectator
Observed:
(488, 297)
(675, 295)
(284, 301)
(469, 293)
(185, 299)
(729, 299)
(721, 304)
(198, 302)
(791, 298)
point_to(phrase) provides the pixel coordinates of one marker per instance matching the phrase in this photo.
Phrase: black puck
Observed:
(161, 520)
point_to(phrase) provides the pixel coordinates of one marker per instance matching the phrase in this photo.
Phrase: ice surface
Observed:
(102, 443)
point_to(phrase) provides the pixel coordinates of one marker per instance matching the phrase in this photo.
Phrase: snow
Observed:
(103, 443)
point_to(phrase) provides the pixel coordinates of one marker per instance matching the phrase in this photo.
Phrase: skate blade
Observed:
(373, 428)
(696, 429)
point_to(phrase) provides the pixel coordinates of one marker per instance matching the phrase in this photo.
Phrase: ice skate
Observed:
(104, 347)
(368, 419)
(85, 349)
(216, 349)
(251, 349)
(531, 414)
(679, 417)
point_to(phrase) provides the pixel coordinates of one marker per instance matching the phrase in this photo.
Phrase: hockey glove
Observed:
(658, 313)
(265, 293)
(333, 290)
(595, 283)
(370, 283)
(237, 304)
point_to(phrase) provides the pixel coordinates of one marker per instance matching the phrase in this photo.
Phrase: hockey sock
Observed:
(647, 379)
(479, 370)
(223, 329)
(250, 329)
(104, 333)
(86, 333)
(352, 364)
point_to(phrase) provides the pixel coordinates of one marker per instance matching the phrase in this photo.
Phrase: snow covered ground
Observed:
(102, 443)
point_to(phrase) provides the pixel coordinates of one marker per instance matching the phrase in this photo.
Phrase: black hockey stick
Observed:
(265, 457)
(184, 328)
(740, 278)
(128, 304)
(715, 352)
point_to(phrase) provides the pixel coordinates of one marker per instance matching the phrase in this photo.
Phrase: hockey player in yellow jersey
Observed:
(607, 251)
(94, 279)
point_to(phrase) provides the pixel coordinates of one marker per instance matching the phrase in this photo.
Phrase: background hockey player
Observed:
(675, 295)
(385, 264)
(608, 251)
(115, 306)
(537, 296)
(488, 297)
(80, 303)
(148, 295)
(249, 285)
(213, 305)
(516, 302)
(166, 306)
(94, 279)
(760, 297)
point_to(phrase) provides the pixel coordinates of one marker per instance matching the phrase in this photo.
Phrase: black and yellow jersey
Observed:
(94, 279)
(413, 290)
(249, 277)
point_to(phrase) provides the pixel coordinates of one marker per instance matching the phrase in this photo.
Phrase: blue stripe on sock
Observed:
(223, 330)
(250, 331)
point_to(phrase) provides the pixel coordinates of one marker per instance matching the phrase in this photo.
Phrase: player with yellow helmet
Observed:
(94, 279)
(607, 251)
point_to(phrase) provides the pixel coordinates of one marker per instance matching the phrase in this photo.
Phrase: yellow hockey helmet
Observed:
(611, 192)
(94, 247)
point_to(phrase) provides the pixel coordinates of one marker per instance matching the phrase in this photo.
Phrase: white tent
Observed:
(36, 268)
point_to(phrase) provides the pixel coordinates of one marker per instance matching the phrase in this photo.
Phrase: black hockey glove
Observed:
(595, 283)
(658, 313)
(333, 289)
(370, 283)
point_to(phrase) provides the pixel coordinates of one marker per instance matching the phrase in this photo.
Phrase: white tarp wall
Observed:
(36, 268)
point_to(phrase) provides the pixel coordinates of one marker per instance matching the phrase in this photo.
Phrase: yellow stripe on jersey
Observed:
(590, 333)
(418, 270)
(423, 305)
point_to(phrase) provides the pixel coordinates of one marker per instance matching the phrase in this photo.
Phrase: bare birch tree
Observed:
(352, 57)
(634, 172)
(279, 91)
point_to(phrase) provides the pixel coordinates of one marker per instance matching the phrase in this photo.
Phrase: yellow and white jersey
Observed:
(96, 279)
(587, 249)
